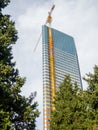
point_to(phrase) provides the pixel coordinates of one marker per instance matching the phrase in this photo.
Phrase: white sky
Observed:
(78, 18)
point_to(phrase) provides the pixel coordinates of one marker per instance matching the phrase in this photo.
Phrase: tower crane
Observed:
(48, 21)
(51, 87)
(49, 18)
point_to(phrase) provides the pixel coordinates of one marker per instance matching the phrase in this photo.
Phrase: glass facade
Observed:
(64, 61)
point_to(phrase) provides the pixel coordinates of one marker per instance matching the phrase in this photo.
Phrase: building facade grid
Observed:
(65, 62)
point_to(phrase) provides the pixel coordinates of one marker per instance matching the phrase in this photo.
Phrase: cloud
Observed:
(77, 18)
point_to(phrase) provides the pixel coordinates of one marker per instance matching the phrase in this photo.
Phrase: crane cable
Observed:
(37, 42)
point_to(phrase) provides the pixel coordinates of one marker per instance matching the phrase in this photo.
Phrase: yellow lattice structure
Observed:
(51, 66)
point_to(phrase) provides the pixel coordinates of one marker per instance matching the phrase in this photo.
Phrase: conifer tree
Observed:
(92, 97)
(70, 108)
(16, 111)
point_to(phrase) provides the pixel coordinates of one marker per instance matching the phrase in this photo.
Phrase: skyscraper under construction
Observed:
(59, 58)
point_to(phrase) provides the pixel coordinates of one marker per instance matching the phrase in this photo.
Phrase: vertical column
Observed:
(49, 86)
(51, 67)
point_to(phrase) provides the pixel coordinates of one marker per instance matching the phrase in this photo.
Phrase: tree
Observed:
(3, 3)
(92, 96)
(70, 108)
(16, 111)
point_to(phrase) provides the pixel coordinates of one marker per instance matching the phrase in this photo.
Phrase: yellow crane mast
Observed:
(49, 18)
(52, 84)
(51, 58)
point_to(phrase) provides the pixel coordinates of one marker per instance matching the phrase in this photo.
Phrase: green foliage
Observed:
(92, 96)
(3, 3)
(76, 109)
(16, 111)
(70, 108)
(25, 113)
(4, 120)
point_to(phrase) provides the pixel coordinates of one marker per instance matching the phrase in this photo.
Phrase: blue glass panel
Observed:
(61, 40)
(44, 34)
(64, 42)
